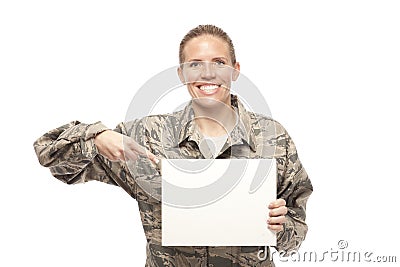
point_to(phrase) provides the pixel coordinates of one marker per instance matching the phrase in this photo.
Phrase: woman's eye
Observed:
(194, 64)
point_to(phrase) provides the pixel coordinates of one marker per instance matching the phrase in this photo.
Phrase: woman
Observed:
(79, 152)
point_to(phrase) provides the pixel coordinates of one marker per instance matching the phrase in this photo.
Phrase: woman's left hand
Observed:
(277, 212)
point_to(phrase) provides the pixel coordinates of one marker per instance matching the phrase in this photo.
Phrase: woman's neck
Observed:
(214, 120)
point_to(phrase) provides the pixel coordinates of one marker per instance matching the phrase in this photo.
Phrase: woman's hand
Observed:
(277, 212)
(116, 146)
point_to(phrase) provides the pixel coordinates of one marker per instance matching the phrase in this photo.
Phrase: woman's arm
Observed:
(78, 152)
(294, 187)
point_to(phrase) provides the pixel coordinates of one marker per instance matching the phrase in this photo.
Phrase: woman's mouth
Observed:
(208, 88)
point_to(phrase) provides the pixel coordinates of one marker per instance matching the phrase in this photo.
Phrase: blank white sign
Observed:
(221, 202)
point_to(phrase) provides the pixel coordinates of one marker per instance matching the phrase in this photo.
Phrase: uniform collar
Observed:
(242, 133)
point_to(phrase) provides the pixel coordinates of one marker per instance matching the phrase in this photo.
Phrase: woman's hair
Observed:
(207, 30)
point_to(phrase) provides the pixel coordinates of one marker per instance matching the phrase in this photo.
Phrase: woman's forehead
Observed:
(206, 45)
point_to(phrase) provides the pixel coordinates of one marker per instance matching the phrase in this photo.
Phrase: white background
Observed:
(328, 69)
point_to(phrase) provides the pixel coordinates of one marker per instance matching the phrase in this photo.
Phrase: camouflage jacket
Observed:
(70, 153)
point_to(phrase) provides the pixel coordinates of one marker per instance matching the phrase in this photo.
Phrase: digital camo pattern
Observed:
(71, 155)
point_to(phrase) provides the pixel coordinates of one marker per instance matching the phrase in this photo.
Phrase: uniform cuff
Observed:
(94, 129)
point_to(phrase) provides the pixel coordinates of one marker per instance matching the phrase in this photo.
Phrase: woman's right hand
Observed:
(118, 147)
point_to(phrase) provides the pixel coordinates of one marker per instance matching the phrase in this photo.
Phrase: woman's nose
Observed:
(208, 71)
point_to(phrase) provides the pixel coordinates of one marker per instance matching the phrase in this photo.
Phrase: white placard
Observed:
(221, 202)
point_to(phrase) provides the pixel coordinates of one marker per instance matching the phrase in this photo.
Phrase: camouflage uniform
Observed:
(70, 153)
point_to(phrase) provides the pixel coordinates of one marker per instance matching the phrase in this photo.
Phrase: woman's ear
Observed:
(236, 71)
(180, 74)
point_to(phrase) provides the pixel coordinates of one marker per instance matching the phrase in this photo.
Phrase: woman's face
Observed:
(208, 69)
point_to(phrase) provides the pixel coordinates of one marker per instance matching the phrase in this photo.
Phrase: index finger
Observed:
(277, 203)
(151, 156)
(141, 150)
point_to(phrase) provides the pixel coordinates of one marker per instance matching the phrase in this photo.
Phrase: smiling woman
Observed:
(128, 155)
(208, 67)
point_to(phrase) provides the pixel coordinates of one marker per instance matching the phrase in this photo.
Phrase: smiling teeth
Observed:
(208, 87)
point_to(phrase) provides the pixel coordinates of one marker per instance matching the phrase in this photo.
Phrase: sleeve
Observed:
(72, 157)
(295, 187)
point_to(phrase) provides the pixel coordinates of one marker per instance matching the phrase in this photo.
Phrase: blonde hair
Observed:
(206, 30)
